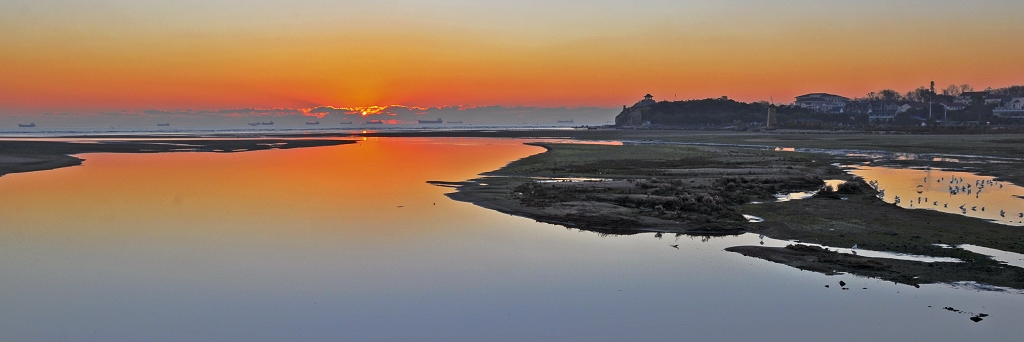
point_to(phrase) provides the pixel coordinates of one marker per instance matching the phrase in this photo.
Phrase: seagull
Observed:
(675, 246)
(854, 246)
(1002, 213)
(760, 236)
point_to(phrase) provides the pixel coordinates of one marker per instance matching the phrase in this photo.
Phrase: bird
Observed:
(842, 283)
(1002, 213)
(675, 246)
(854, 246)
(760, 236)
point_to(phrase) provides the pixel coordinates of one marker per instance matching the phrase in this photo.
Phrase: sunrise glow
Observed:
(105, 55)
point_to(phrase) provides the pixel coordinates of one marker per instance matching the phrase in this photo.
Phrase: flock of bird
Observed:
(956, 186)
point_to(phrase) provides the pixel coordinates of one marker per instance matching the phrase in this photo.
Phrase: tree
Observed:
(952, 90)
(965, 88)
(921, 94)
(889, 95)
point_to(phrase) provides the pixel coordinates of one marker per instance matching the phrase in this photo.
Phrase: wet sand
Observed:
(30, 155)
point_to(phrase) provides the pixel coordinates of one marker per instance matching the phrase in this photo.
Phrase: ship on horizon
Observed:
(254, 124)
(455, 122)
(167, 124)
(313, 122)
(438, 121)
(346, 122)
(271, 123)
(565, 121)
(375, 122)
(31, 124)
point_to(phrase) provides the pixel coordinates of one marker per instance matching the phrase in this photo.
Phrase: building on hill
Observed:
(633, 116)
(822, 102)
(997, 99)
(967, 97)
(1012, 109)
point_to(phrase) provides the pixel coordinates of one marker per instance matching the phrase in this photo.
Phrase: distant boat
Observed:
(313, 122)
(431, 121)
(33, 124)
(164, 124)
(375, 122)
(254, 124)
(346, 122)
(454, 122)
(271, 123)
(565, 121)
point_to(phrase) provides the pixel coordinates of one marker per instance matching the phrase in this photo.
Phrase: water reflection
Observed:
(953, 192)
(350, 243)
(786, 197)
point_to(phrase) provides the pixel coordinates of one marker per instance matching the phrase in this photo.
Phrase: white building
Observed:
(822, 102)
(1012, 109)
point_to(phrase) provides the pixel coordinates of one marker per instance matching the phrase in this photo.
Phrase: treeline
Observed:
(924, 94)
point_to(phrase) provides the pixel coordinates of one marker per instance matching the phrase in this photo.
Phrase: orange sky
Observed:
(122, 55)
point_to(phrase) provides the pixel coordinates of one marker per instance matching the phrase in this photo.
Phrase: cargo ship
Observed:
(375, 122)
(32, 124)
(565, 121)
(313, 122)
(431, 121)
(164, 124)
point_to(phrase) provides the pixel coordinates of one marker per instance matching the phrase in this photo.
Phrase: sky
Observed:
(120, 56)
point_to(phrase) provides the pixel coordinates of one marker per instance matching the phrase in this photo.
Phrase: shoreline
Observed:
(603, 207)
(18, 156)
(694, 184)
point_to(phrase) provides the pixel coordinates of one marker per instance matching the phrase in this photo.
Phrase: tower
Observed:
(772, 118)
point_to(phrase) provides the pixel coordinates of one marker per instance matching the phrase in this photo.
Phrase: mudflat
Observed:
(705, 188)
(34, 155)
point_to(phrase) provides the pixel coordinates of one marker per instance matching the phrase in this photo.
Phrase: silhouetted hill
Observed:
(726, 112)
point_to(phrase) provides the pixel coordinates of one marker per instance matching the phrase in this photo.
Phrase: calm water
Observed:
(954, 192)
(350, 243)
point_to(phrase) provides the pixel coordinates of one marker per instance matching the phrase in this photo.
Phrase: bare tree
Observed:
(889, 95)
(921, 94)
(952, 90)
(966, 88)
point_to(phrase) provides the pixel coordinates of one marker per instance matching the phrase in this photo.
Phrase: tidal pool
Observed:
(350, 243)
(954, 192)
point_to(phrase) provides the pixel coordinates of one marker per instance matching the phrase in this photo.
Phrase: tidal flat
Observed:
(705, 188)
